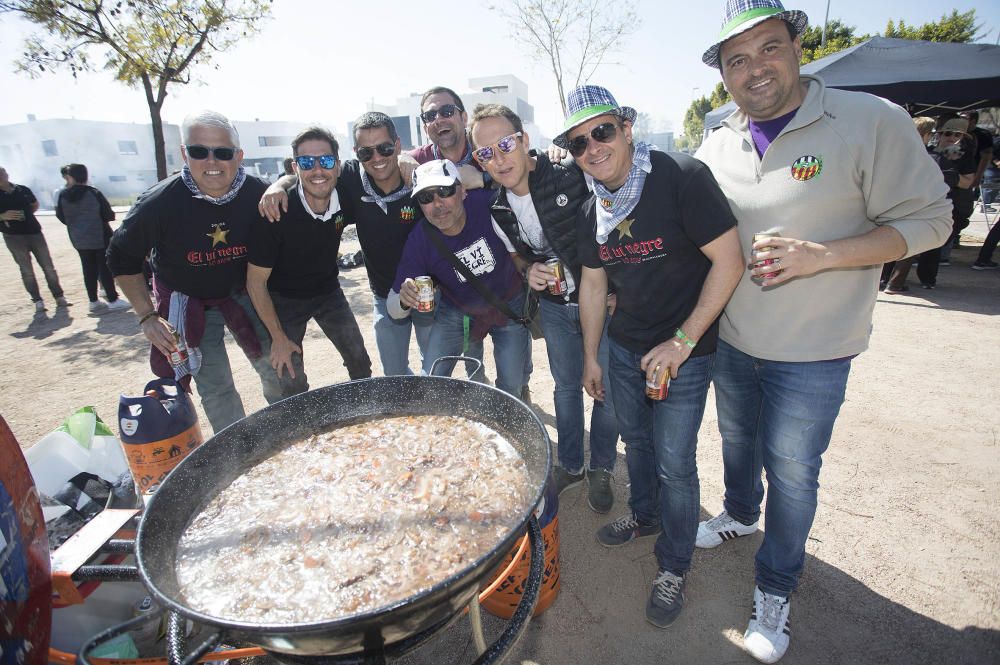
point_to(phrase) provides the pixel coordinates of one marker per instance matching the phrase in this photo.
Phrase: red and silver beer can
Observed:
(425, 293)
(559, 286)
(764, 235)
(657, 388)
(180, 356)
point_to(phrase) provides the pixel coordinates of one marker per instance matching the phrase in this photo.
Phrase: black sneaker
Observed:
(526, 394)
(565, 479)
(666, 599)
(599, 495)
(624, 530)
(985, 265)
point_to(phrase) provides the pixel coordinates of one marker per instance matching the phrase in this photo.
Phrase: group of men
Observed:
(753, 267)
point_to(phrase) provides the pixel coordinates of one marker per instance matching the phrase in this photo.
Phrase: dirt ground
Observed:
(903, 562)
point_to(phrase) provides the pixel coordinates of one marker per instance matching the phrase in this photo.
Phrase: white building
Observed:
(267, 143)
(504, 89)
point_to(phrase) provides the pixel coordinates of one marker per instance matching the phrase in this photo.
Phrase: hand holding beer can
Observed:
(178, 357)
(425, 293)
(764, 235)
(557, 286)
(658, 387)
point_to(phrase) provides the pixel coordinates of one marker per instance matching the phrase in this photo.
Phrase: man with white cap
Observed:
(660, 232)
(840, 183)
(458, 231)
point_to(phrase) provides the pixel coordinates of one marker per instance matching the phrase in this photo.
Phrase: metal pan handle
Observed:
(176, 641)
(468, 359)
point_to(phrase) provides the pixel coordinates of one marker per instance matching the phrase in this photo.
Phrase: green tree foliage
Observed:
(952, 27)
(694, 121)
(838, 37)
(148, 43)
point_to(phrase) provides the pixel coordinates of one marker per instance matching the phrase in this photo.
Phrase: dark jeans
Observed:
(21, 248)
(96, 266)
(894, 273)
(333, 314)
(986, 253)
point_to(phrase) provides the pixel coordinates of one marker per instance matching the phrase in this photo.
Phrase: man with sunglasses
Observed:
(445, 120)
(661, 233)
(195, 226)
(458, 228)
(377, 200)
(535, 213)
(292, 276)
(840, 183)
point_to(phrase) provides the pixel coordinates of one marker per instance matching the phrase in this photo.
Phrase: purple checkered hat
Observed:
(590, 101)
(741, 15)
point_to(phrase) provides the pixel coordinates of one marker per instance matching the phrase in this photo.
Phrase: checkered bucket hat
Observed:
(590, 101)
(741, 15)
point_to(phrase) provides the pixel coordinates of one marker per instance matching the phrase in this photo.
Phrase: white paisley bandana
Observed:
(613, 207)
(234, 189)
(371, 195)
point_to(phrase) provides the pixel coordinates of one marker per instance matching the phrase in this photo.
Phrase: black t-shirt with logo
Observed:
(20, 198)
(382, 235)
(300, 250)
(653, 259)
(195, 247)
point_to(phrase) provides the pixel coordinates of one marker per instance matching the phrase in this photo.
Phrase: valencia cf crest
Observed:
(607, 203)
(807, 167)
(407, 214)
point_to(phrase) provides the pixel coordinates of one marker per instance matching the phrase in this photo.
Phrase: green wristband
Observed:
(679, 334)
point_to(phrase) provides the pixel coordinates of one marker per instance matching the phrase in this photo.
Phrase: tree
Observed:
(838, 37)
(694, 121)
(956, 27)
(548, 26)
(152, 43)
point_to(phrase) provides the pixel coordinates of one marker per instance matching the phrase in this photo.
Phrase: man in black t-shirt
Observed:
(660, 231)
(195, 227)
(23, 236)
(958, 152)
(292, 275)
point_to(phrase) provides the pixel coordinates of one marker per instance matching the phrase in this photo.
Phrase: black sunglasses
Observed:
(427, 195)
(603, 133)
(365, 153)
(307, 162)
(201, 152)
(445, 111)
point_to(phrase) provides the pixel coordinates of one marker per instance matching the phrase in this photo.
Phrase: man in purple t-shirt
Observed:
(461, 222)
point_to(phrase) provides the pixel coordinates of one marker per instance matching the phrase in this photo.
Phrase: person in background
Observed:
(957, 151)
(86, 213)
(23, 236)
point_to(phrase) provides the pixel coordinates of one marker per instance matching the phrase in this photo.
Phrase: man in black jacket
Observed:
(535, 213)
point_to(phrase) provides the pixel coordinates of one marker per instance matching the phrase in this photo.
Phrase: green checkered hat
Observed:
(590, 101)
(741, 15)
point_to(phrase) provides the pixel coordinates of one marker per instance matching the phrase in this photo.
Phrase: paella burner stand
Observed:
(374, 649)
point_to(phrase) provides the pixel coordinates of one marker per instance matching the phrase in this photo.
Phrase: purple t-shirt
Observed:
(765, 131)
(478, 246)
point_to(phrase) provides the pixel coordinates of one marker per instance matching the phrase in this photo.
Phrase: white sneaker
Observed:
(769, 630)
(62, 302)
(97, 306)
(722, 527)
(117, 305)
(39, 306)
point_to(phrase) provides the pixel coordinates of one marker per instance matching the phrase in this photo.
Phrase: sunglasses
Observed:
(505, 145)
(427, 195)
(604, 133)
(201, 152)
(365, 153)
(446, 111)
(307, 162)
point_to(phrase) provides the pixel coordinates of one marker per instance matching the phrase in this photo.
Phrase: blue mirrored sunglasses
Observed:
(307, 162)
(505, 145)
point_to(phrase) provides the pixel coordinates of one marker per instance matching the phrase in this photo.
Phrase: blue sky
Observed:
(325, 61)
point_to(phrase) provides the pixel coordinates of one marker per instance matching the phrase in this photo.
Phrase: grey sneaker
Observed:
(62, 302)
(39, 306)
(599, 496)
(624, 530)
(666, 599)
(565, 479)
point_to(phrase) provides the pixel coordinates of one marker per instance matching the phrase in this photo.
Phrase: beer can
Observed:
(657, 388)
(559, 286)
(764, 235)
(180, 356)
(425, 293)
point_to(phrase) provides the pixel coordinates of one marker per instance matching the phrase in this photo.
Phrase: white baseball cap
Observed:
(435, 173)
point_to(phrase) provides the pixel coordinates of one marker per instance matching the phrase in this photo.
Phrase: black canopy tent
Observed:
(923, 77)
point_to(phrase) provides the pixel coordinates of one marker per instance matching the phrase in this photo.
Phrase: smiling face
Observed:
(213, 177)
(448, 215)
(384, 171)
(317, 182)
(761, 70)
(509, 169)
(445, 133)
(608, 162)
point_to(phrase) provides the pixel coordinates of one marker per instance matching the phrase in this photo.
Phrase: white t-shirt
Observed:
(530, 230)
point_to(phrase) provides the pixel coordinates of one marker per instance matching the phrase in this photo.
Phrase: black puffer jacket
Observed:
(557, 190)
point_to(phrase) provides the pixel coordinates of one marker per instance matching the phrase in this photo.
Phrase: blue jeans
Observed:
(660, 442)
(511, 345)
(564, 345)
(214, 380)
(776, 416)
(392, 336)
